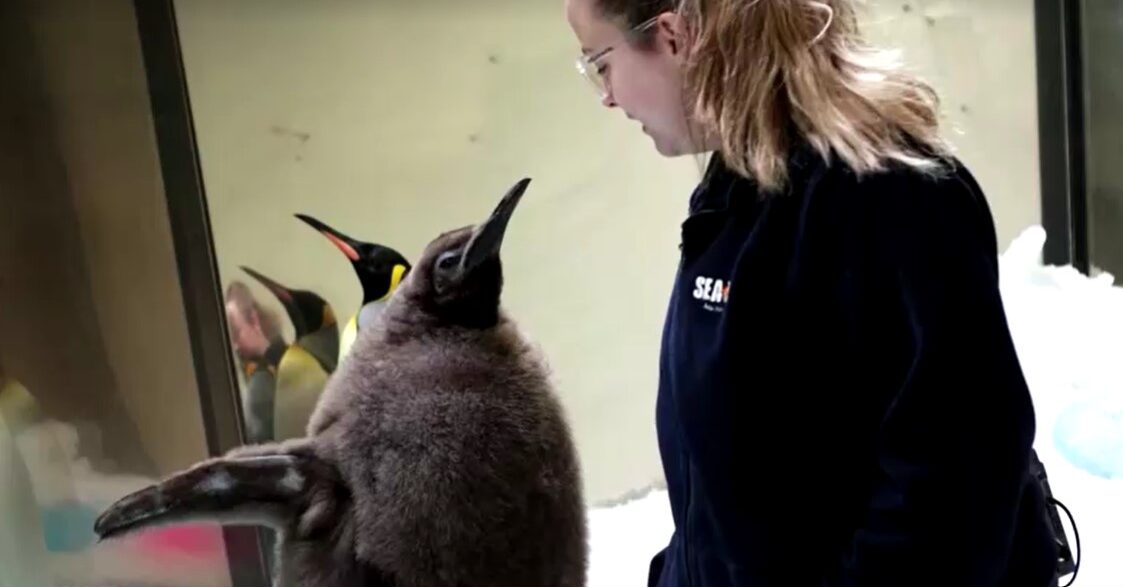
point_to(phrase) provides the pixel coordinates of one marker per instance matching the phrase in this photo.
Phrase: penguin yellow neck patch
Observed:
(395, 280)
(328, 318)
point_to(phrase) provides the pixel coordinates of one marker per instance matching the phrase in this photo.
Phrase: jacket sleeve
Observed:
(954, 444)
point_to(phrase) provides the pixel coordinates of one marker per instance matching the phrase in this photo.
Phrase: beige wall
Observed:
(396, 120)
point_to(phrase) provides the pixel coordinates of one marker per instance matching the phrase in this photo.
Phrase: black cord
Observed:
(1076, 536)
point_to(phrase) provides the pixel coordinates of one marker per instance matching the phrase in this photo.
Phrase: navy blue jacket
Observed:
(840, 402)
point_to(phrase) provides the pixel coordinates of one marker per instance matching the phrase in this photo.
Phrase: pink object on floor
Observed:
(198, 541)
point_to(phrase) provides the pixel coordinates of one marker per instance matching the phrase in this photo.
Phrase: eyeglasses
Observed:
(587, 64)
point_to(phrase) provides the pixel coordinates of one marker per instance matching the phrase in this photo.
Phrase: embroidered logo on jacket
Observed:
(713, 292)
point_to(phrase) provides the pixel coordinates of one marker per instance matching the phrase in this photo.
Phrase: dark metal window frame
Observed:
(1061, 131)
(194, 252)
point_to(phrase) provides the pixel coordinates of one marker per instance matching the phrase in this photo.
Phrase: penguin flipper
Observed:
(263, 490)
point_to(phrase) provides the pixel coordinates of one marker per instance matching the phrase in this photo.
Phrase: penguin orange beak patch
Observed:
(278, 290)
(340, 240)
(347, 249)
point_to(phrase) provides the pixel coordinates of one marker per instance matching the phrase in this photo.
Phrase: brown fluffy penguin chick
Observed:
(461, 466)
(437, 456)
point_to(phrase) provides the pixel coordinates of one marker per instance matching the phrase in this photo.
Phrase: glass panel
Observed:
(1103, 77)
(97, 389)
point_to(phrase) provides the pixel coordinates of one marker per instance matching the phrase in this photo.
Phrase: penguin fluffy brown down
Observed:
(439, 457)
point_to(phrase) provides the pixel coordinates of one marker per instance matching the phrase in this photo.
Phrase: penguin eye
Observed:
(448, 260)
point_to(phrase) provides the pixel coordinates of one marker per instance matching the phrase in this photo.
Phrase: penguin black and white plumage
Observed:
(258, 346)
(260, 375)
(438, 456)
(306, 364)
(380, 270)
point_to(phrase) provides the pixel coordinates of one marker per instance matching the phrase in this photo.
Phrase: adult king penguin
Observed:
(380, 270)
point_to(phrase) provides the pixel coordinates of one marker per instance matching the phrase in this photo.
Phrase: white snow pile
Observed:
(1068, 329)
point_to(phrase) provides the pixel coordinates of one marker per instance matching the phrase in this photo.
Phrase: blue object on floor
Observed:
(68, 526)
(1090, 435)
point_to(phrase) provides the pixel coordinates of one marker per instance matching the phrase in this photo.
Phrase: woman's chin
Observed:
(664, 147)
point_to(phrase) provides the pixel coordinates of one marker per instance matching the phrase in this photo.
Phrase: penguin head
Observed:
(459, 278)
(309, 312)
(380, 269)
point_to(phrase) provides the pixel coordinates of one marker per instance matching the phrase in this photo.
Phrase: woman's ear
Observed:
(670, 33)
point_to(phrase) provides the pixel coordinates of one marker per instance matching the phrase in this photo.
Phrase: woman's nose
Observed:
(608, 101)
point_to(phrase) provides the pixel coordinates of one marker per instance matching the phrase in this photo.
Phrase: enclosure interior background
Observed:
(395, 120)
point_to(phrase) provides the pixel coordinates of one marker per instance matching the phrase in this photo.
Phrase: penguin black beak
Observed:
(283, 294)
(307, 310)
(488, 236)
(347, 245)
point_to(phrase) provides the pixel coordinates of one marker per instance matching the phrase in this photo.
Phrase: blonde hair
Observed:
(768, 74)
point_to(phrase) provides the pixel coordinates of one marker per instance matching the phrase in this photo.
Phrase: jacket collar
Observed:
(714, 192)
(723, 189)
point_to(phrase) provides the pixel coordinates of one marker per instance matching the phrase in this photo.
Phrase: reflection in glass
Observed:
(51, 496)
(97, 390)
